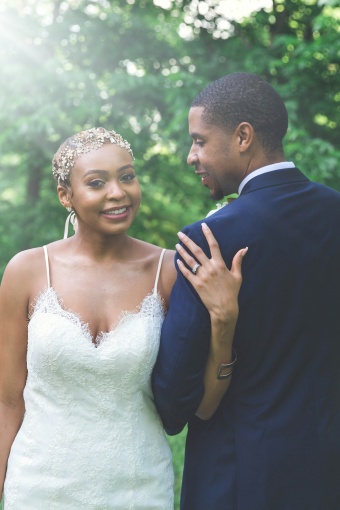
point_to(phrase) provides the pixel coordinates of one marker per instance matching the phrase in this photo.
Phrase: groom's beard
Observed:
(216, 195)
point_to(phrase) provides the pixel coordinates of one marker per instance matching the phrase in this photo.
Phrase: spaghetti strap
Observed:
(47, 266)
(158, 271)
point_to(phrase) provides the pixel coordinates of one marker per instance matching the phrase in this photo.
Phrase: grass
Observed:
(177, 444)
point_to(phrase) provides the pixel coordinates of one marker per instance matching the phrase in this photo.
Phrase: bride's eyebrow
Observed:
(97, 171)
(126, 167)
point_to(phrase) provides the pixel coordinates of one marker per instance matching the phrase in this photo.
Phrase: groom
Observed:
(274, 441)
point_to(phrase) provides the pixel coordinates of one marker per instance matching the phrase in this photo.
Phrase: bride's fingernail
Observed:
(181, 235)
(178, 247)
(204, 225)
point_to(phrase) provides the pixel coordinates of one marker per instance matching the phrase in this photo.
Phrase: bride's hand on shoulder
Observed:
(217, 286)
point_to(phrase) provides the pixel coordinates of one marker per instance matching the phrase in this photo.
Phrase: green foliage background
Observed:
(135, 66)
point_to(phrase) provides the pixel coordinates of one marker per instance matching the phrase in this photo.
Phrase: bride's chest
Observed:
(60, 345)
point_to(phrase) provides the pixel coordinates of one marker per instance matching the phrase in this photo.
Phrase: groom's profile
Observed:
(273, 443)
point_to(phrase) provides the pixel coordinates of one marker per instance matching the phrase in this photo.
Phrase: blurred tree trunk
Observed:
(33, 183)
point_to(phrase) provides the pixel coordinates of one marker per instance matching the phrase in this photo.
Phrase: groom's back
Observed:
(277, 427)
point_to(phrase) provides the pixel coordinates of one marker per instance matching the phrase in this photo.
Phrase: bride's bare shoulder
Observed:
(152, 252)
(168, 273)
(25, 271)
(25, 261)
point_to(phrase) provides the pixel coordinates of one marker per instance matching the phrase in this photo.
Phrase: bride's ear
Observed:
(64, 195)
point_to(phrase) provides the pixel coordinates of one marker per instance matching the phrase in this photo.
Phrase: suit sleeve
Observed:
(185, 339)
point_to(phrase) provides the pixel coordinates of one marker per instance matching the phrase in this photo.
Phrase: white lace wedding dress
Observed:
(91, 437)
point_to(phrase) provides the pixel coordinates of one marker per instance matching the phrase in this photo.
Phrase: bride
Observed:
(80, 326)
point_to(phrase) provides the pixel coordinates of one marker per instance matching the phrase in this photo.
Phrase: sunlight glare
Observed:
(239, 9)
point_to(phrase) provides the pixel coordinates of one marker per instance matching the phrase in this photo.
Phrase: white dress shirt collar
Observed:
(263, 170)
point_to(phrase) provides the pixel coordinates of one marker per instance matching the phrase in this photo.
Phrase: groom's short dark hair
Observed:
(245, 97)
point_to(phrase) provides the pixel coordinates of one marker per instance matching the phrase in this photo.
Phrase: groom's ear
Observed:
(245, 136)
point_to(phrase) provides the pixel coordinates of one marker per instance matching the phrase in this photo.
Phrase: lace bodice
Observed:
(91, 437)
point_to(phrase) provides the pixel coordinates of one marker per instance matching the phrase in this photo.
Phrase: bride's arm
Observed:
(13, 346)
(218, 289)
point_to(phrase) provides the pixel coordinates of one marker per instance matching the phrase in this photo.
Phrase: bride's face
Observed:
(104, 191)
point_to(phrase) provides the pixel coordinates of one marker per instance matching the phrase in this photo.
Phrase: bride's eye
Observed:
(96, 183)
(127, 177)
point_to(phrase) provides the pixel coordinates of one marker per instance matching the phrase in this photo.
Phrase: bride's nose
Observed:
(115, 191)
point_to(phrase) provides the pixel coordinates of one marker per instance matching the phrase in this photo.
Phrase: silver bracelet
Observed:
(221, 376)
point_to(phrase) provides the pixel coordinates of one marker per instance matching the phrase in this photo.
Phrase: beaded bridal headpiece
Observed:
(81, 143)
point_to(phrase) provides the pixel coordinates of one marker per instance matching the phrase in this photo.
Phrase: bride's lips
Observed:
(116, 213)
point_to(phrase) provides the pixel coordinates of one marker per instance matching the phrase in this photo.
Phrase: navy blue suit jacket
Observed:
(274, 442)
